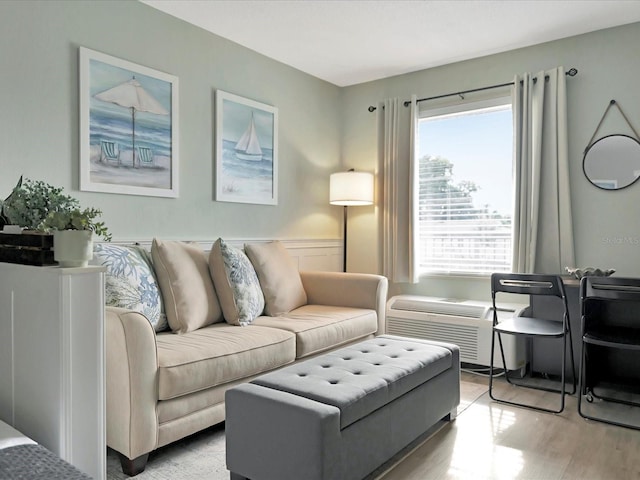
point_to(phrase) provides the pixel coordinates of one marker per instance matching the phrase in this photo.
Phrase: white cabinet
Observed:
(52, 360)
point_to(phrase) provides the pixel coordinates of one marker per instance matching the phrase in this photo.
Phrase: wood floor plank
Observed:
(491, 441)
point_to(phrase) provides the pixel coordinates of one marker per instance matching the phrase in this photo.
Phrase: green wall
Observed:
(323, 128)
(606, 224)
(39, 121)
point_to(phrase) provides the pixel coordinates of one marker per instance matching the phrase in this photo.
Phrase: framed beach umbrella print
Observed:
(128, 127)
(246, 150)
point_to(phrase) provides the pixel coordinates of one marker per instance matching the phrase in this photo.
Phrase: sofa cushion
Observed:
(190, 299)
(362, 378)
(130, 281)
(194, 403)
(279, 277)
(320, 327)
(236, 283)
(217, 354)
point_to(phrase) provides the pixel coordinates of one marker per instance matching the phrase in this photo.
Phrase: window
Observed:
(466, 190)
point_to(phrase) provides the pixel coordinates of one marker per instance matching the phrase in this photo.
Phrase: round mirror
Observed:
(612, 162)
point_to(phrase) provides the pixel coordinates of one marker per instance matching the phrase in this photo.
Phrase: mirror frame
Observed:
(584, 161)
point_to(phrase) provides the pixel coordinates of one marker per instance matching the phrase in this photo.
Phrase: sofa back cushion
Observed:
(237, 284)
(279, 277)
(189, 295)
(130, 281)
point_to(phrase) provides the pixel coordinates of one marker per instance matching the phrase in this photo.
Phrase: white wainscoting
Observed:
(309, 254)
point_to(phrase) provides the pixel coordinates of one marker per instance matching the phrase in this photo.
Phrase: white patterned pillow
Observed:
(130, 281)
(236, 283)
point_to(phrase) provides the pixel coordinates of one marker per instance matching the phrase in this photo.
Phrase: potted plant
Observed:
(75, 219)
(31, 201)
(73, 231)
(38, 206)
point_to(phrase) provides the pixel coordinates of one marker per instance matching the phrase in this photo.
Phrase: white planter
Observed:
(72, 248)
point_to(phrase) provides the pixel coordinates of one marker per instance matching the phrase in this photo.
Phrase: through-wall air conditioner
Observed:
(466, 323)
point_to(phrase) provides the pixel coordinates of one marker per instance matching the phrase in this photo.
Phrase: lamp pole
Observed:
(344, 244)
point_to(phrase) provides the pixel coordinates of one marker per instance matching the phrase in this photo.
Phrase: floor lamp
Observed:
(350, 189)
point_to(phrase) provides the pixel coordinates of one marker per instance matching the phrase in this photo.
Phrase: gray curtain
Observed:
(543, 230)
(414, 193)
(397, 194)
(388, 126)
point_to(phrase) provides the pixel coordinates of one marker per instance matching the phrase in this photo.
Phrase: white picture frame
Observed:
(246, 135)
(128, 127)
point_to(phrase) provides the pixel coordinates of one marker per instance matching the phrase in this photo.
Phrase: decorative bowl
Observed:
(588, 272)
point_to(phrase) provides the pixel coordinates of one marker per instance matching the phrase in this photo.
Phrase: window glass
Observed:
(466, 190)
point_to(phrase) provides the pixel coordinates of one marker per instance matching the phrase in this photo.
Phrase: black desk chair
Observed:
(609, 365)
(531, 284)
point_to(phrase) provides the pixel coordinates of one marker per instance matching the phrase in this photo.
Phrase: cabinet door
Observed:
(52, 360)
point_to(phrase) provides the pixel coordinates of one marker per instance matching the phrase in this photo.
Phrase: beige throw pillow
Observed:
(279, 277)
(183, 274)
(236, 283)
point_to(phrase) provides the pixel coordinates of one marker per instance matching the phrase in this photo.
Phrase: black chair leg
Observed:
(581, 384)
(493, 349)
(573, 363)
(562, 390)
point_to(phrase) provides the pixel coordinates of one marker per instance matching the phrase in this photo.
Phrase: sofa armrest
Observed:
(132, 366)
(358, 290)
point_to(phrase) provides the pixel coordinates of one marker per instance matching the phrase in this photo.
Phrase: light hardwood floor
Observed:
(490, 440)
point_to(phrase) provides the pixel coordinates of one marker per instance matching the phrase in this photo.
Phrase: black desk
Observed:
(545, 355)
(611, 340)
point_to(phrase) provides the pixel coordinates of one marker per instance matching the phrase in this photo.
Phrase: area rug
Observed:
(202, 456)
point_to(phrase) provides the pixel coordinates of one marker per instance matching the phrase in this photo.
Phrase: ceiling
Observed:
(347, 42)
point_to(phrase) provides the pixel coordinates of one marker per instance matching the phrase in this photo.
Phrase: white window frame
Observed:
(496, 101)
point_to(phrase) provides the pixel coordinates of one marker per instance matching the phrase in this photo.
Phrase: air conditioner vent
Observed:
(466, 323)
(466, 337)
(441, 307)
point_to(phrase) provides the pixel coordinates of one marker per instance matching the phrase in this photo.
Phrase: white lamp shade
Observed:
(351, 188)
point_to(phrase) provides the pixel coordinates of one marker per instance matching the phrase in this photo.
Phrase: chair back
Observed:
(527, 284)
(146, 155)
(613, 288)
(108, 149)
(611, 301)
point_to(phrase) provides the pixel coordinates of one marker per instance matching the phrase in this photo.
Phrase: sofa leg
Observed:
(235, 476)
(133, 467)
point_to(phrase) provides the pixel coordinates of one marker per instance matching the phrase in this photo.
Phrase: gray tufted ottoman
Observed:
(343, 414)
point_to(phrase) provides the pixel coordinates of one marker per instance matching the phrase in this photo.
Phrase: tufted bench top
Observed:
(363, 377)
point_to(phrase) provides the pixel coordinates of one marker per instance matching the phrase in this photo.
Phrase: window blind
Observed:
(457, 233)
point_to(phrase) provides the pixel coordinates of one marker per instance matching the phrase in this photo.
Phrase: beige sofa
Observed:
(163, 386)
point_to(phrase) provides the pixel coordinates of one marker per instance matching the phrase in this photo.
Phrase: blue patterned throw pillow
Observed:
(130, 281)
(236, 283)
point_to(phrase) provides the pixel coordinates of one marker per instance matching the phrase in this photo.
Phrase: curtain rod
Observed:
(572, 73)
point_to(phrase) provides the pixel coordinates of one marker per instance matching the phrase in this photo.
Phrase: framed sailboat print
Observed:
(246, 150)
